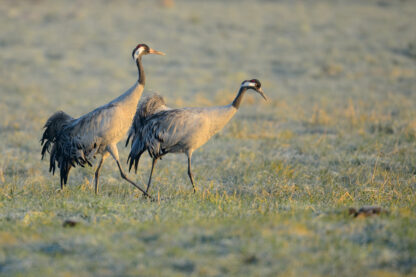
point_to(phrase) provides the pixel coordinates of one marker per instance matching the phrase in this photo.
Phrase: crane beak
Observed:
(260, 91)
(152, 51)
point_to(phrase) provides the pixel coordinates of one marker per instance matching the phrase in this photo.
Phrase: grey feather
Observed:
(52, 127)
(73, 140)
(147, 107)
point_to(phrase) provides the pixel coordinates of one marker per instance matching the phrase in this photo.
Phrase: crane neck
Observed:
(237, 101)
(132, 96)
(142, 76)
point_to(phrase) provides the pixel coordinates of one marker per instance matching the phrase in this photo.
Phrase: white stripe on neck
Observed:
(248, 84)
(138, 52)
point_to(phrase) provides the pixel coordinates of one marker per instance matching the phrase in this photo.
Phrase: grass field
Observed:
(274, 187)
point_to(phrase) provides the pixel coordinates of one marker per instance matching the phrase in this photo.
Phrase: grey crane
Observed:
(161, 130)
(72, 142)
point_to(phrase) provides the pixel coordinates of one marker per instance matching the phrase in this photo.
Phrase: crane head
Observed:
(143, 49)
(254, 84)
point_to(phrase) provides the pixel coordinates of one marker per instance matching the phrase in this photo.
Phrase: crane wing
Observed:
(74, 140)
(157, 134)
(168, 130)
(148, 106)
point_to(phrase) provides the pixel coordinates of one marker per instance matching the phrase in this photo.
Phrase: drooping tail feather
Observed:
(53, 127)
(64, 173)
(147, 106)
(150, 105)
(65, 148)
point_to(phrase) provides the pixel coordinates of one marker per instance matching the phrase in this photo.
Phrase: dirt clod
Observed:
(69, 223)
(366, 211)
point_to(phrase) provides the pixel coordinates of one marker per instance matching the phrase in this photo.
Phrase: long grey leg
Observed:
(189, 171)
(151, 173)
(112, 149)
(97, 172)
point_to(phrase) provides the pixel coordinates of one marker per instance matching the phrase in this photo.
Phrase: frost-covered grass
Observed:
(274, 186)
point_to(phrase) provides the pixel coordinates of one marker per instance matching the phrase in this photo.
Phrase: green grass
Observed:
(274, 187)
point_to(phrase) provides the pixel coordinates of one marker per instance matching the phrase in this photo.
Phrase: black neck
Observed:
(142, 77)
(239, 97)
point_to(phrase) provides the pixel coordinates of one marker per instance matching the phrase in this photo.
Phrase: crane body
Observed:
(73, 142)
(160, 131)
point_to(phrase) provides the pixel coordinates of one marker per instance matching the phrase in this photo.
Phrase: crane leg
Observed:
(97, 172)
(151, 173)
(190, 172)
(112, 149)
